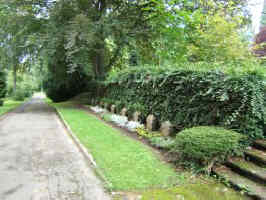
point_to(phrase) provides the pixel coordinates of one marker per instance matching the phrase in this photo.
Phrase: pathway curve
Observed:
(39, 161)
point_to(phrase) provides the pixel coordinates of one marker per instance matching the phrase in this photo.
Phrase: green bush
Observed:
(3, 85)
(162, 142)
(24, 90)
(106, 117)
(206, 145)
(191, 98)
(19, 95)
(58, 90)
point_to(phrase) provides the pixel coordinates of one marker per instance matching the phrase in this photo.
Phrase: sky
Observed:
(256, 7)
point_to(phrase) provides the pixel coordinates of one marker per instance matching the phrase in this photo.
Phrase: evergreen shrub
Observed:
(205, 145)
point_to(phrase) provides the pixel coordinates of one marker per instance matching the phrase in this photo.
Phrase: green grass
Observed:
(126, 163)
(197, 191)
(9, 105)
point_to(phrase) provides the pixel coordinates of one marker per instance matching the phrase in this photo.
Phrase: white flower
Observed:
(132, 126)
(97, 109)
(119, 120)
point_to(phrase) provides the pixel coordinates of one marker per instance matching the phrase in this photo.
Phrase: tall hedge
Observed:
(3, 85)
(193, 98)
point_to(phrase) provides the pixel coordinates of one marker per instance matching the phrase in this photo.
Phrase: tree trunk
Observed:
(14, 78)
(98, 61)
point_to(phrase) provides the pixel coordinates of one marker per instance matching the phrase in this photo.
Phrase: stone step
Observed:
(256, 190)
(260, 144)
(248, 169)
(256, 156)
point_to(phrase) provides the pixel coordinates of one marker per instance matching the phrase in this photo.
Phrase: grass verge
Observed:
(132, 168)
(126, 164)
(9, 105)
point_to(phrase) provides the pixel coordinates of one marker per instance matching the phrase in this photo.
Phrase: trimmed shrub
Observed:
(191, 98)
(205, 145)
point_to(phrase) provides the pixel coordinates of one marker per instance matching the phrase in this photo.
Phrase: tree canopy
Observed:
(85, 39)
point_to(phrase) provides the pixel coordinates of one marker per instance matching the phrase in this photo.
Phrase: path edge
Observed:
(8, 112)
(82, 149)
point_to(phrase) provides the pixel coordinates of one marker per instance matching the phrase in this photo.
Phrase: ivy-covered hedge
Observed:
(193, 98)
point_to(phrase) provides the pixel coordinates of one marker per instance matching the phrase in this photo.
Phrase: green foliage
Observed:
(119, 105)
(206, 145)
(143, 132)
(58, 91)
(9, 105)
(3, 85)
(217, 39)
(162, 142)
(106, 117)
(19, 95)
(25, 85)
(194, 97)
(135, 106)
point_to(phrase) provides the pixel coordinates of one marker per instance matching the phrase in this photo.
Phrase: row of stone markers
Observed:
(166, 128)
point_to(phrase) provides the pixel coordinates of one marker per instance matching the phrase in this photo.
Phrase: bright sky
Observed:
(256, 7)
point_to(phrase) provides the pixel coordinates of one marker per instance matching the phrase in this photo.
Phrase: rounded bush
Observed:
(205, 145)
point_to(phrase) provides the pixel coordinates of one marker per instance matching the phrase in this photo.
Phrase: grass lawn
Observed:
(126, 164)
(8, 105)
(133, 169)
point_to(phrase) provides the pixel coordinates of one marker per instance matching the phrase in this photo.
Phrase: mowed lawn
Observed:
(125, 163)
(9, 105)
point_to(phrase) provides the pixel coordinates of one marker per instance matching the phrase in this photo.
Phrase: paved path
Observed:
(39, 161)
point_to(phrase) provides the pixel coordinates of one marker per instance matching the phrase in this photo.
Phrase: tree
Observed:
(19, 28)
(263, 16)
(216, 39)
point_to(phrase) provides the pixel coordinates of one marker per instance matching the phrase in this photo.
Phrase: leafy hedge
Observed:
(191, 98)
(61, 88)
(3, 85)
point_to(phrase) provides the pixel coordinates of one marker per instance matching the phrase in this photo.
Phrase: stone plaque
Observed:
(136, 116)
(166, 128)
(151, 123)
(113, 109)
(124, 112)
